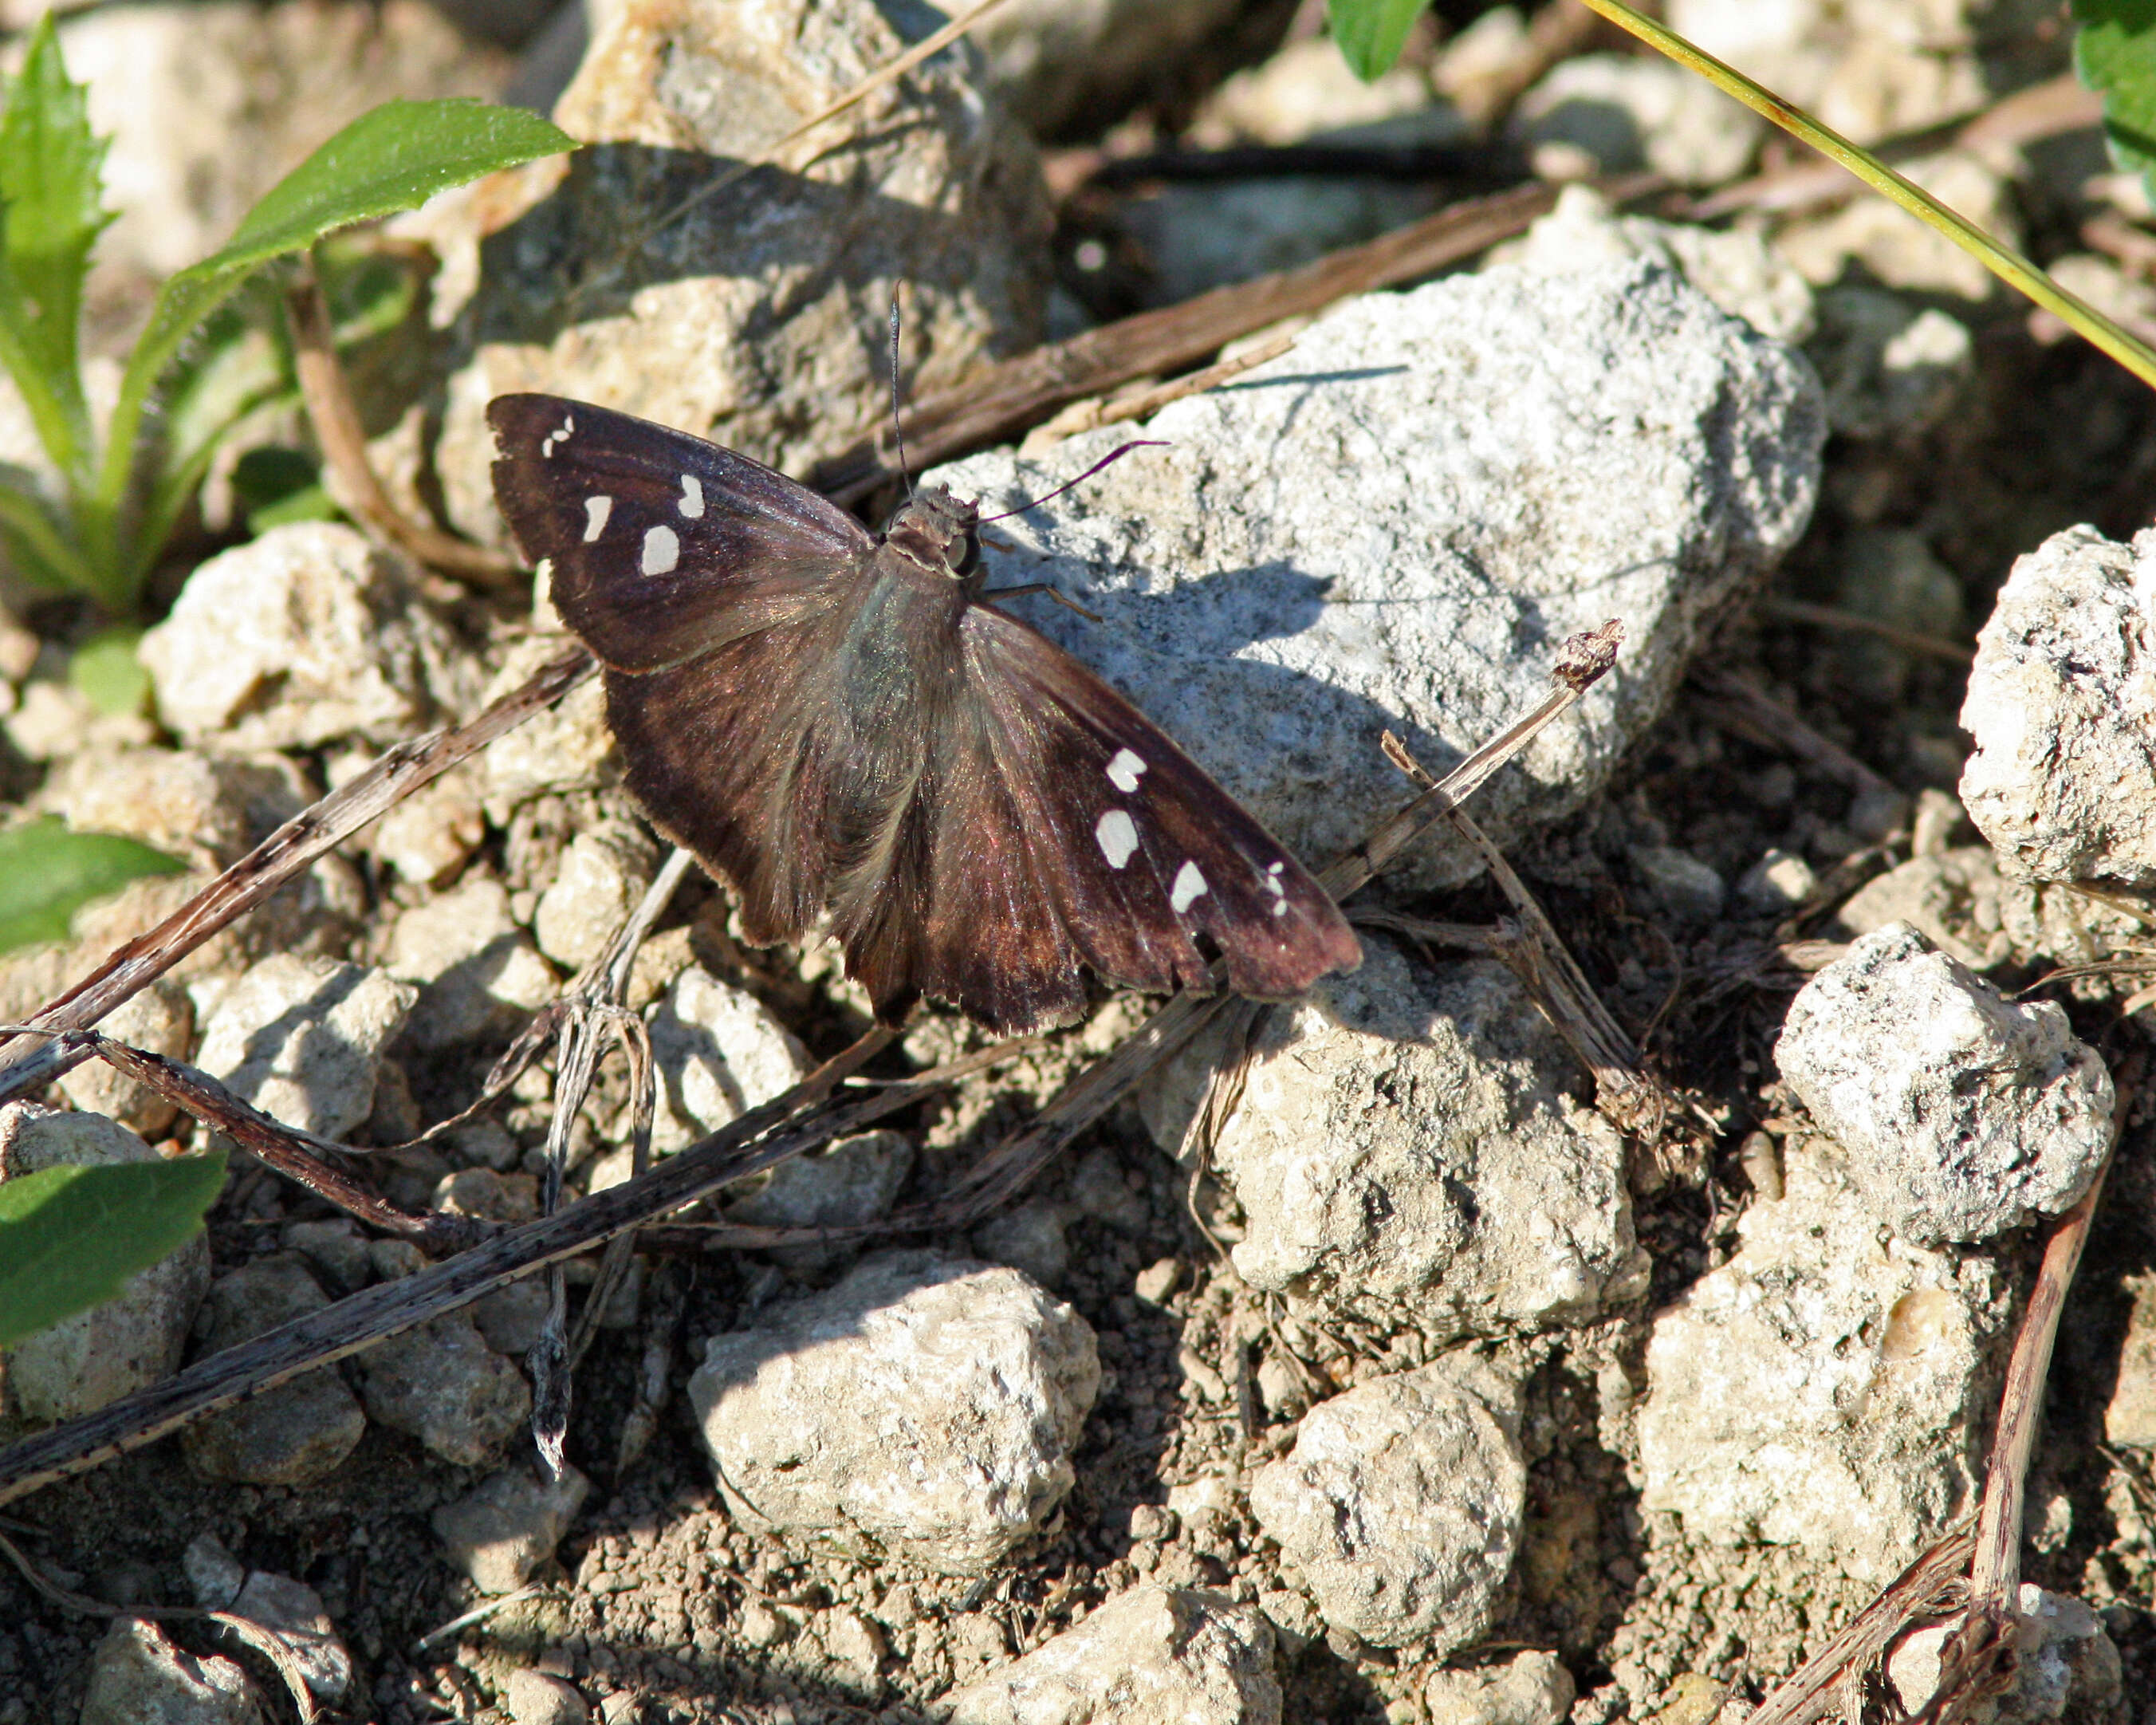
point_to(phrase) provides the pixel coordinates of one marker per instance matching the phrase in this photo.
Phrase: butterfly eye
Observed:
(969, 556)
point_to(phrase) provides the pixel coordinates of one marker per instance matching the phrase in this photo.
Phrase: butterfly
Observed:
(843, 727)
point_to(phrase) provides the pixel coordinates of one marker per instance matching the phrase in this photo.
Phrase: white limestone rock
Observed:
(1400, 1505)
(1399, 521)
(1962, 1114)
(2062, 704)
(1825, 1387)
(1401, 1152)
(925, 1407)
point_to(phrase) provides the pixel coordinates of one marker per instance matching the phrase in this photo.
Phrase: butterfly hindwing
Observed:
(663, 545)
(1139, 850)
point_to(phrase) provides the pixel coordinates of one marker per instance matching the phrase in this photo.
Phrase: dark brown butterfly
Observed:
(841, 726)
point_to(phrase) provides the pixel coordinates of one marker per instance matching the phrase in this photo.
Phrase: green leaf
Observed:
(275, 485)
(1372, 33)
(49, 219)
(70, 1237)
(106, 670)
(47, 873)
(2116, 54)
(392, 158)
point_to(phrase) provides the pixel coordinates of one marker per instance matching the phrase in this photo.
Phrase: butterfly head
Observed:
(940, 533)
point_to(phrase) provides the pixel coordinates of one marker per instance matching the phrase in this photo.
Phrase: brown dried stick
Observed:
(1021, 391)
(272, 863)
(1932, 1584)
(343, 439)
(1539, 956)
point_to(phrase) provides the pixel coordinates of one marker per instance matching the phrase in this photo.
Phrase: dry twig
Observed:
(343, 439)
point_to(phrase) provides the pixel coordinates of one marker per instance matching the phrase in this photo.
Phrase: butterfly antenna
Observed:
(1115, 454)
(897, 430)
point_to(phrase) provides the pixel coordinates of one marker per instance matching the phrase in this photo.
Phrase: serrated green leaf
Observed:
(1372, 33)
(106, 670)
(2115, 54)
(47, 873)
(50, 216)
(392, 158)
(70, 1237)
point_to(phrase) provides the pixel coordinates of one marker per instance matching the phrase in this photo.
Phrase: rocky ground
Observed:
(1423, 1376)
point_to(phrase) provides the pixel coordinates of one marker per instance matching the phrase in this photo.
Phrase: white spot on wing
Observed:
(662, 550)
(559, 434)
(692, 497)
(1119, 837)
(596, 512)
(1124, 770)
(1189, 887)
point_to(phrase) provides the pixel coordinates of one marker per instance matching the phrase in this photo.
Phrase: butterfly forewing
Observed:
(663, 545)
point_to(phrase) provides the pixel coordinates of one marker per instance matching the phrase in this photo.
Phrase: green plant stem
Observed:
(2008, 266)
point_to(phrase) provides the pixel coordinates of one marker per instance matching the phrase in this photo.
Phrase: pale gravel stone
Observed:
(1399, 1152)
(601, 877)
(138, 1677)
(1963, 1114)
(718, 1053)
(754, 315)
(2062, 704)
(1686, 889)
(2130, 1417)
(445, 1386)
(297, 1432)
(1400, 1505)
(301, 1038)
(478, 974)
(1776, 884)
(296, 1613)
(925, 1407)
(1143, 1657)
(1824, 1388)
(1530, 1688)
(207, 810)
(851, 1181)
(303, 636)
(334, 1247)
(212, 1572)
(160, 1020)
(1890, 368)
(126, 1343)
(1532, 455)
(535, 1698)
(1628, 112)
(433, 833)
(567, 748)
(508, 1525)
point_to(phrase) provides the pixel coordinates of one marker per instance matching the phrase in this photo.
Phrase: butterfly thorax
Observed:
(940, 535)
